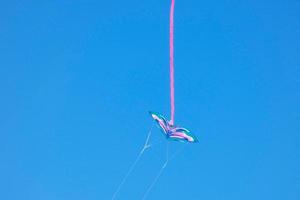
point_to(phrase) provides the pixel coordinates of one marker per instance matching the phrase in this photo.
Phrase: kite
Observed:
(173, 132)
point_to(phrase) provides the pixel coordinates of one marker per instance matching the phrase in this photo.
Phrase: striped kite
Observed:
(173, 132)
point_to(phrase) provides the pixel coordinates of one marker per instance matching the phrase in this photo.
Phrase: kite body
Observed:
(173, 132)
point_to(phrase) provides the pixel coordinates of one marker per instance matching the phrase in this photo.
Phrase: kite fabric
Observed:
(173, 132)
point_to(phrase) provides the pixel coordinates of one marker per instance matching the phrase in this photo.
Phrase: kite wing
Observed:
(182, 134)
(161, 121)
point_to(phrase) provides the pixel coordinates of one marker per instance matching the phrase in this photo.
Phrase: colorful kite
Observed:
(172, 132)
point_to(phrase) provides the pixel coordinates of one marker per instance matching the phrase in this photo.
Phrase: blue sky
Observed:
(77, 79)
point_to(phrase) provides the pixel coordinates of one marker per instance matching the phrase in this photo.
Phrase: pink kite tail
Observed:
(172, 61)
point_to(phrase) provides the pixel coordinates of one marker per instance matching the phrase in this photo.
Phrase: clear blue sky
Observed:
(77, 79)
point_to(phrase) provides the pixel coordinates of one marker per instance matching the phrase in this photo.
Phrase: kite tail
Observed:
(172, 61)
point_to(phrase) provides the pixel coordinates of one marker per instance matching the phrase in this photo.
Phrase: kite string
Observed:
(126, 176)
(158, 174)
(172, 61)
(146, 146)
(154, 181)
(168, 159)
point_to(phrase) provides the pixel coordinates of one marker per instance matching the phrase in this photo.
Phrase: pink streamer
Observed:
(172, 61)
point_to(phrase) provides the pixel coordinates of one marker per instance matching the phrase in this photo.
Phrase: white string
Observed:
(158, 174)
(146, 146)
(155, 180)
(133, 165)
(168, 159)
